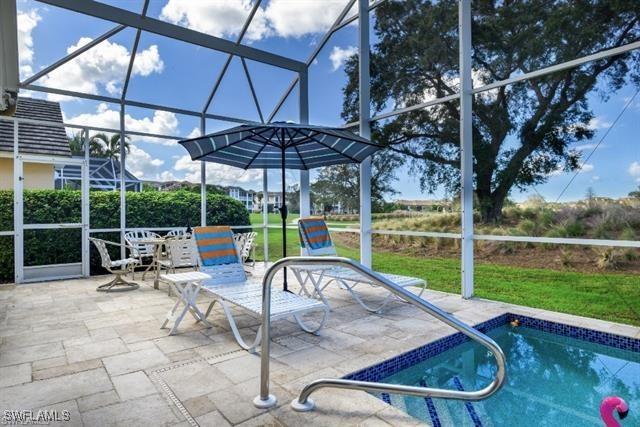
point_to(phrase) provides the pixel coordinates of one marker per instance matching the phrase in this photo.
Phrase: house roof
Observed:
(35, 138)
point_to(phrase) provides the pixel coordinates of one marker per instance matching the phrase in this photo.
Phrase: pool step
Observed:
(431, 407)
(471, 410)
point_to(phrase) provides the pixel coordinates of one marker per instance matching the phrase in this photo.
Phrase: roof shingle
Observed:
(35, 138)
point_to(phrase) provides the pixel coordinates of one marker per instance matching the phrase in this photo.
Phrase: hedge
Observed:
(144, 209)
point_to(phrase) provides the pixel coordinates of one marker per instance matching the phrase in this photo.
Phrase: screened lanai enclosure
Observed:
(236, 60)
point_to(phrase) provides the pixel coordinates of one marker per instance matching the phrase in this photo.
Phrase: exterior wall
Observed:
(37, 176)
(246, 197)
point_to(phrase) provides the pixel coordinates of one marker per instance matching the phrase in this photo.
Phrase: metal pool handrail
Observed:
(303, 403)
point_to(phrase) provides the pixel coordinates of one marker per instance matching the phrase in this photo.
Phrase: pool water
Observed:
(552, 380)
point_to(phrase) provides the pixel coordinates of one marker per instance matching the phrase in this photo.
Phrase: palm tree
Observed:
(110, 146)
(96, 148)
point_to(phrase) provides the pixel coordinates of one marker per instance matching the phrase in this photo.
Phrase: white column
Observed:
(85, 186)
(466, 146)
(18, 224)
(203, 182)
(123, 195)
(365, 131)
(305, 198)
(265, 213)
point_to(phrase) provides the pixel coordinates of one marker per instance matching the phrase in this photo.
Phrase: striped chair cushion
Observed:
(216, 245)
(315, 232)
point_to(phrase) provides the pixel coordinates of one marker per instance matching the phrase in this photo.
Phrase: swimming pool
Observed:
(556, 375)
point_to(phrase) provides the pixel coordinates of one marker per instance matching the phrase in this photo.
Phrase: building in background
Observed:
(45, 140)
(245, 196)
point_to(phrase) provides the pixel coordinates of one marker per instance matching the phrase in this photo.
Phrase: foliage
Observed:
(145, 209)
(521, 132)
(341, 183)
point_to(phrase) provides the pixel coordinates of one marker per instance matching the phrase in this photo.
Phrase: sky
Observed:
(173, 73)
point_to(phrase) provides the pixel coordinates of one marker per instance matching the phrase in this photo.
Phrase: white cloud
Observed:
(598, 123)
(339, 56)
(585, 147)
(218, 18)
(634, 170)
(195, 132)
(162, 122)
(586, 168)
(27, 21)
(104, 65)
(189, 170)
(143, 165)
(301, 17)
(284, 18)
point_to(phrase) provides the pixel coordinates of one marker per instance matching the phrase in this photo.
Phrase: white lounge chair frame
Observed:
(319, 277)
(228, 286)
(118, 268)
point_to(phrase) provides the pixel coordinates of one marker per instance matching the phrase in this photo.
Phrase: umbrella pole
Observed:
(283, 215)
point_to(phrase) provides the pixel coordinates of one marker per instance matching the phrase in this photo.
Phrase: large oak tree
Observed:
(521, 132)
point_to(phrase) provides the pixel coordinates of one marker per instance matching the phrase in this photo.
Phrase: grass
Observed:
(607, 296)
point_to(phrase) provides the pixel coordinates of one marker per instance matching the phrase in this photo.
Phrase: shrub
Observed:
(608, 259)
(144, 209)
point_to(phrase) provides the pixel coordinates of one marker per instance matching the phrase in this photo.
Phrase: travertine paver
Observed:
(15, 374)
(37, 394)
(103, 357)
(146, 411)
(95, 350)
(133, 385)
(134, 361)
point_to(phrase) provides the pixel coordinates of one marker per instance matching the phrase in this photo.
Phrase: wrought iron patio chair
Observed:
(118, 268)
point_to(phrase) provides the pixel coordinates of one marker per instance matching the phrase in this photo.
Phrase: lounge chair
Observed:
(315, 240)
(227, 283)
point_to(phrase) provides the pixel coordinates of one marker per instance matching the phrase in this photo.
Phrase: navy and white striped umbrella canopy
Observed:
(261, 146)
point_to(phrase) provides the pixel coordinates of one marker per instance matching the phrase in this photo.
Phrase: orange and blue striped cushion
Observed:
(216, 245)
(315, 232)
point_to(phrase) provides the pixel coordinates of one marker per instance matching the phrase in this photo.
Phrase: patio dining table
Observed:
(157, 243)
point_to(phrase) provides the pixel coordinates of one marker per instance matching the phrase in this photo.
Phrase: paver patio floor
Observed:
(104, 358)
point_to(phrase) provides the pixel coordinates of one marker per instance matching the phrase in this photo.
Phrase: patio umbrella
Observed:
(280, 145)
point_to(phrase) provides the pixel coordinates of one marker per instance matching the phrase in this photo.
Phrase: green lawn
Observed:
(606, 296)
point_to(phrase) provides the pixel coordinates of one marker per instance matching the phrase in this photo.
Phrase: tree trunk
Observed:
(490, 206)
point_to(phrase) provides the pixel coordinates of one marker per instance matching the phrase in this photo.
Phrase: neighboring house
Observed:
(104, 174)
(244, 196)
(33, 139)
(52, 141)
(273, 202)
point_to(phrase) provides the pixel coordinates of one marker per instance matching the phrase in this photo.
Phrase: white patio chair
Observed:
(181, 253)
(246, 244)
(226, 281)
(176, 232)
(118, 268)
(316, 240)
(139, 250)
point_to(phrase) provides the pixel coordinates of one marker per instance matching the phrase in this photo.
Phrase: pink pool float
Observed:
(610, 404)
